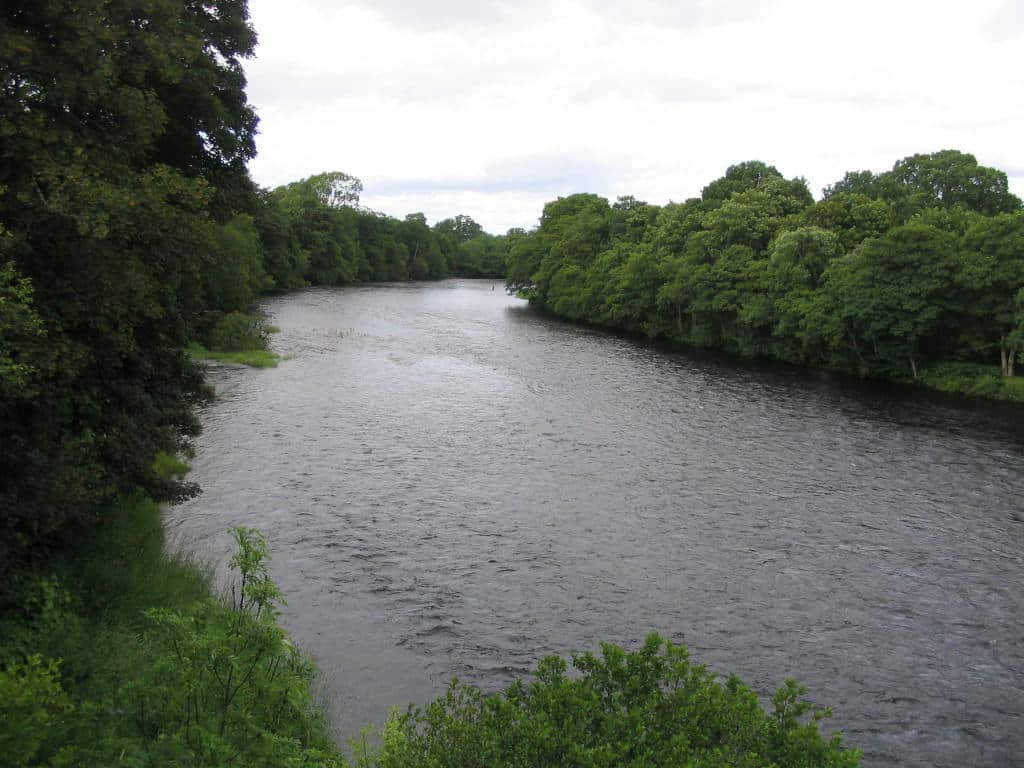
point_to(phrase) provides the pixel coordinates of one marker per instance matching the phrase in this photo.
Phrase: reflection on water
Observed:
(453, 484)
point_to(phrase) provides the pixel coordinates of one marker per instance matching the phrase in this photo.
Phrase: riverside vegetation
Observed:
(131, 233)
(915, 274)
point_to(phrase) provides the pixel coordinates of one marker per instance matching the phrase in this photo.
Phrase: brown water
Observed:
(453, 484)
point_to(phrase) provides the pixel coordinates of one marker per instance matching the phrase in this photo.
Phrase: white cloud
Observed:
(492, 108)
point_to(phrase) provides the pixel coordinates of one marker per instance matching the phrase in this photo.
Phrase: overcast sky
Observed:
(491, 108)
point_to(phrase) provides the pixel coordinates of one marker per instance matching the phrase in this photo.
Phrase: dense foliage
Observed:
(885, 276)
(315, 232)
(122, 657)
(124, 133)
(648, 707)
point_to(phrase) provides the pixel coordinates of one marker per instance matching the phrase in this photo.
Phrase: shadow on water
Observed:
(900, 405)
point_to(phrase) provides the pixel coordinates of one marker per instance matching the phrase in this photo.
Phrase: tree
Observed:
(946, 179)
(425, 257)
(333, 189)
(573, 230)
(481, 256)
(283, 258)
(741, 177)
(631, 218)
(125, 132)
(462, 228)
(863, 183)
(892, 293)
(796, 261)
(852, 216)
(991, 273)
(950, 179)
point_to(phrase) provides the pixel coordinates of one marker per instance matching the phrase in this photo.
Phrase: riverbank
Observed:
(970, 380)
(973, 380)
(124, 655)
(254, 358)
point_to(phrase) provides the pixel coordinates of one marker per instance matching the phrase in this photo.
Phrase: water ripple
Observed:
(454, 485)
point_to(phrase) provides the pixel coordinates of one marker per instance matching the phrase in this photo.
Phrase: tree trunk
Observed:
(1005, 358)
(913, 367)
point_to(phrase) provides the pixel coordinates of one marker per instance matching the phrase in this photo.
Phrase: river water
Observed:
(453, 484)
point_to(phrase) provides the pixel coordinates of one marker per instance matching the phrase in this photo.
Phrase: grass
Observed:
(255, 358)
(973, 380)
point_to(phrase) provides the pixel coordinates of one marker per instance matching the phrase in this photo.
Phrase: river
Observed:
(454, 484)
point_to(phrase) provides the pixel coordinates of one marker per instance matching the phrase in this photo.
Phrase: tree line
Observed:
(314, 232)
(886, 275)
(129, 226)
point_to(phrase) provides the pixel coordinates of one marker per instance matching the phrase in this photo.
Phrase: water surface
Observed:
(453, 484)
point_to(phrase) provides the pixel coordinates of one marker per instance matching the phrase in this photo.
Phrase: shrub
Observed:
(31, 697)
(238, 332)
(227, 687)
(643, 708)
(154, 671)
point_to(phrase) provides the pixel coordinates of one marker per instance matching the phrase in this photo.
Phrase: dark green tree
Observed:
(892, 295)
(991, 275)
(124, 132)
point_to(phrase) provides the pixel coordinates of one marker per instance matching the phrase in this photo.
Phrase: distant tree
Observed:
(949, 179)
(991, 275)
(891, 294)
(852, 216)
(741, 177)
(946, 179)
(573, 230)
(461, 227)
(332, 189)
(426, 259)
(631, 218)
(796, 262)
(864, 183)
(284, 260)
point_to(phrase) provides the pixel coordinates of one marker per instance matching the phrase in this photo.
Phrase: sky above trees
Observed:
(492, 108)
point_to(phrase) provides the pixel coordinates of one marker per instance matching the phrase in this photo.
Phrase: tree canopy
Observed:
(885, 275)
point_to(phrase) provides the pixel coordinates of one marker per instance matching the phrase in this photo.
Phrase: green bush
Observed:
(974, 380)
(227, 687)
(643, 708)
(238, 332)
(153, 670)
(31, 698)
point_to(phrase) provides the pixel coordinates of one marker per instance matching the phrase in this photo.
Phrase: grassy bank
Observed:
(239, 338)
(123, 656)
(973, 380)
(256, 358)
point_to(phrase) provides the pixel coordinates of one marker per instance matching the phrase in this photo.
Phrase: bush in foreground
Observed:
(124, 657)
(651, 707)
